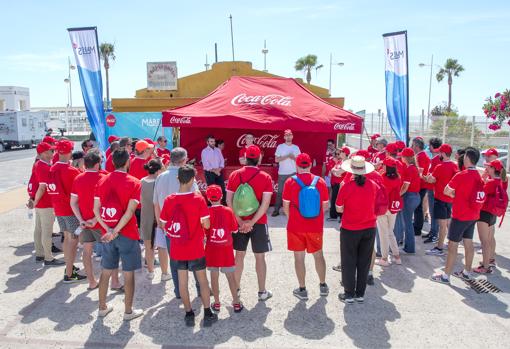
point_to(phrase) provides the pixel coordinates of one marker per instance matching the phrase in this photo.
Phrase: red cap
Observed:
(345, 150)
(419, 137)
(213, 193)
(64, 146)
(363, 153)
(150, 141)
(112, 139)
(445, 148)
(407, 152)
(303, 160)
(375, 136)
(252, 152)
(491, 152)
(389, 161)
(498, 165)
(287, 132)
(400, 145)
(49, 140)
(43, 146)
(392, 148)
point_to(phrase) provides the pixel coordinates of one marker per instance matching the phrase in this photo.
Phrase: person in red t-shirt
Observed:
(356, 202)
(219, 247)
(328, 157)
(115, 200)
(82, 204)
(111, 140)
(62, 175)
(305, 234)
(487, 221)
(44, 213)
(371, 147)
(185, 216)
(336, 175)
(161, 149)
(466, 188)
(109, 167)
(378, 157)
(431, 236)
(249, 139)
(252, 227)
(386, 223)
(423, 164)
(440, 176)
(143, 151)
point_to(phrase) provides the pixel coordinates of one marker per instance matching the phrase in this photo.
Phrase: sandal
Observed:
(93, 288)
(482, 270)
(238, 307)
(118, 289)
(216, 307)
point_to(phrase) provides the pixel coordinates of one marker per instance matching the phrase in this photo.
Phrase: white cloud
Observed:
(30, 62)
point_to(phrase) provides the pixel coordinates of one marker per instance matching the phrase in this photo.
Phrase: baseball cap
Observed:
(490, 152)
(407, 152)
(112, 139)
(142, 145)
(445, 148)
(375, 136)
(303, 160)
(498, 165)
(345, 150)
(213, 192)
(252, 152)
(148, 140)
(400, 145)
(49, 140)
(389, 161)
(287, 132)
(64, 146)
(392, 148)
(363, 153)
(43, 146)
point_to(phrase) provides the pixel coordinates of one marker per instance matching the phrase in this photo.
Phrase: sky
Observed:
(35, 44)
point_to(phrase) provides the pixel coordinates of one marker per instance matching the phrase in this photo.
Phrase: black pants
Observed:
(356, 248)
(213, 178)
(418, 214)
(332, 205)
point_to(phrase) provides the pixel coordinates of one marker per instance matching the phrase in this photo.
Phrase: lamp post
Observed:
(340, 64)
(69, 91)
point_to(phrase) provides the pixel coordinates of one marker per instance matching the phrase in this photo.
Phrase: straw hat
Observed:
(357, 165)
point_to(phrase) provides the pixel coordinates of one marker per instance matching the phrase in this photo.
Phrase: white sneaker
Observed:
(166, 277)
(98, 258)
(150, 275)
(264, 296)
(133, 315)
(104, 312)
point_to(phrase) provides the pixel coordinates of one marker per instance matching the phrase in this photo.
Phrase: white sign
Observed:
(161, 76)
(395, 47)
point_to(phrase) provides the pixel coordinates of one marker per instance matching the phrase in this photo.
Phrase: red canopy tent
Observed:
(264, 107)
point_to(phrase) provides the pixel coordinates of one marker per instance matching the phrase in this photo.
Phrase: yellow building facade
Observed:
(194, 87)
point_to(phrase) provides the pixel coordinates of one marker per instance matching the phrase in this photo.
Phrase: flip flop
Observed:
(92, 288)
(118, 289)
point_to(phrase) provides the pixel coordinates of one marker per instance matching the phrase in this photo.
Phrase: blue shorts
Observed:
(125, 249)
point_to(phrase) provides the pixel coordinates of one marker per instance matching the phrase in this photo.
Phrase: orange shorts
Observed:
(309, 242)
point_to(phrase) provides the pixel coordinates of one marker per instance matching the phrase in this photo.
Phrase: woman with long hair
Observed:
(411, 193)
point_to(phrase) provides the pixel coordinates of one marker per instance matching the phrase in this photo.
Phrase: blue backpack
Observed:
(309, 198)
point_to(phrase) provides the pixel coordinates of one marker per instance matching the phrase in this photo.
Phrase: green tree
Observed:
(306, 64)
(458, 129)
(450, 69)
(107, 53)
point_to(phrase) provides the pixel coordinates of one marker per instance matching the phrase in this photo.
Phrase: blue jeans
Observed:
(175, 273)
(411, 201)
(398, 230)
(434, 227)
(98, 249)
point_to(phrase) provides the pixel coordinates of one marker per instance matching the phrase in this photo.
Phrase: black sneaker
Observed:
(54, 262)
(210, 319)
(426, 236)
(344, 299)
(370, 280)
(275, 213)
(75, 268)
(74, 278)
(429, 240)
(189, 319)
(55, 249)
(39, 259)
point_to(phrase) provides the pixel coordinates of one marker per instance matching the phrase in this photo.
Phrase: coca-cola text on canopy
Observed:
(264, 141)
(347, 126)
(272, 99)
(181, 120)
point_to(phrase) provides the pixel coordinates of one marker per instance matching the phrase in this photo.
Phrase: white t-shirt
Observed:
(287, 166)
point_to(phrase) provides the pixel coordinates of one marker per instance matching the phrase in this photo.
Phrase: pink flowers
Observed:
(502, 106)
(498, 110)
(497, 95)
(494, 127)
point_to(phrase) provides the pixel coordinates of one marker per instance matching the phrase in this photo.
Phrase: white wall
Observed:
(14, 98)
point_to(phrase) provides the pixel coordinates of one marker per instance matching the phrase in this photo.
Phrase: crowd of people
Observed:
(147, 195)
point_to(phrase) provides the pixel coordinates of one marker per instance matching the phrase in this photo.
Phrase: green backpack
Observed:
(245, 202)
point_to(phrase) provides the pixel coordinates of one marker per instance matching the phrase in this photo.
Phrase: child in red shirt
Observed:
(219, 248)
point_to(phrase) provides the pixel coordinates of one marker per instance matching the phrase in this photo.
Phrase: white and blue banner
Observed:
(137, 125)
(397, 83)
(86, 51)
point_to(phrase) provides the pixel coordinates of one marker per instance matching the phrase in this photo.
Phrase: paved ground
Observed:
(402, 310)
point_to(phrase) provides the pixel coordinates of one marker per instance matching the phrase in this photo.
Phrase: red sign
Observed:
(111, 120)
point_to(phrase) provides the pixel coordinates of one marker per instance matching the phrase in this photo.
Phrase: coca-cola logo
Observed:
(111, 120)
(183, 120)
(348, 126)
(202, 186)
(273, 99)
(264, 141)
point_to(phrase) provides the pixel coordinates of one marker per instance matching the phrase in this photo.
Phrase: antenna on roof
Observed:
(206, 63)
(264, 52)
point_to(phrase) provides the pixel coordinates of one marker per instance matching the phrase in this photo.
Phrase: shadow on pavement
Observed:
(312, 323)
(118, 339)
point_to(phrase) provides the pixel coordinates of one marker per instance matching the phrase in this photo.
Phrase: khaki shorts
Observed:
(90, 235)
(224, 270)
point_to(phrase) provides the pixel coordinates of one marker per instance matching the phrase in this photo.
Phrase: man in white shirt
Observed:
(285, 156)
(214, 163)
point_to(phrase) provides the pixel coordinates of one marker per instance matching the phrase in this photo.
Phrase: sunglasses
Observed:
(337, 153)
(164, 141)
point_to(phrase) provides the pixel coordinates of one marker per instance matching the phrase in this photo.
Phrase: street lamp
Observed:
(431, 65)
(340, 64)
(69, 90)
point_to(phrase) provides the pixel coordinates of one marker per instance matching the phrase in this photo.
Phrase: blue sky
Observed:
(35, 43)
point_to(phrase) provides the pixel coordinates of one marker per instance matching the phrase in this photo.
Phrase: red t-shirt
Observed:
(42, 176)
(411, 176)
(62, 176)
(32, 182)
(261, 183)
(443, 173)
(379, 157)
(162, 151)
(392, 187)
(374, 176)
(464, 183)
(109, 166)
(219, 248)
(195, 209)
(490, 189)
(55, 158)
(126, 188)
(296, 223)
(436, 160)
(359, 205)
(423, 163)
(136, 168)
(332, 163)
(108, 152)
(84, 187)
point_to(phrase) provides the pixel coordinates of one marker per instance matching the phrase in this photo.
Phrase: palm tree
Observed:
(107, 53)
(306, 64)
(451, 68)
